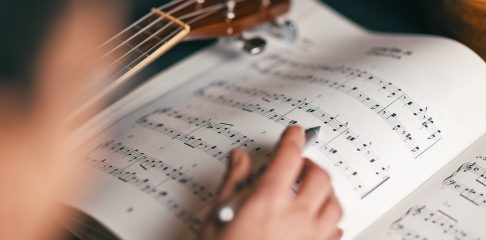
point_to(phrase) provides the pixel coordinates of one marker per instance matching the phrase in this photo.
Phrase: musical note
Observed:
(132, 156)
(299, 104)
(225, 93)
(404, 231)
(268, 113)
(315, 74)
(469, 182)
(419, 222)
(187, 139)
(224, 129)
(346, 169)
(145, 185)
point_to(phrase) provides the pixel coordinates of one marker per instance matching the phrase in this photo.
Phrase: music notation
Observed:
(300, 104)
(389, 52)
(159, 178)
(132, 156)
(225, 93)
(419, 222)
(224, 129)
(236, 138)
(269, 113)
(147, 186)
(189, 140)
(304, 105)
(350, 81)
(469, 181)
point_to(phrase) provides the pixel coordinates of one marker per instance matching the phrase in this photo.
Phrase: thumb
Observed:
(238, 169)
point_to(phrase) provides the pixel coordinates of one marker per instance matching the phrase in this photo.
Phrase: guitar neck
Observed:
(154, 34)
(145, 40)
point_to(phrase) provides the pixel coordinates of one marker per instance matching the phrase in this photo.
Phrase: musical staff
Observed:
(224, 129)
(269, 113)
(147, 186)
(132, 156)
(187, 139)
(469, 181)
(225, 93)
(127, 163)
(345, 81)
(332, 121)
(419, 222)
(300, 104)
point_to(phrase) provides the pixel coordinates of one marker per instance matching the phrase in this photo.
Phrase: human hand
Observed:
(272, 211)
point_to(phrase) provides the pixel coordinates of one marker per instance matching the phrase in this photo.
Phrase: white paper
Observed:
(393, 110)
(451, 205)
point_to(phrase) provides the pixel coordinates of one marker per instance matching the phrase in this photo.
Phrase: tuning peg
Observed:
(286, 30)
(254, 45)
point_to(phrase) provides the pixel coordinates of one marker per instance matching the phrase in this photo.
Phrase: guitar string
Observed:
(154, 35)
(206, 12)
(163, 7)
(182, 6)
(127, 66)
(160, 42)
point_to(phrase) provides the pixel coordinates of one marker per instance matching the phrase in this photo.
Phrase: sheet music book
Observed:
(403, 122)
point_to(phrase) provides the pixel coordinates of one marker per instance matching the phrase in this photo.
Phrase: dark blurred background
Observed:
(23, 24)
(378, 15)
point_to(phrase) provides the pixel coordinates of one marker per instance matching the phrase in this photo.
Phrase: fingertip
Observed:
(340, 232)
(240, 163)
(236, 152)
(239, 167)
(238, 158)
(235, 157)
(294, 130)
(296, 126)
(337, 235)
(287, 161)
(232, 163)
(292, 139)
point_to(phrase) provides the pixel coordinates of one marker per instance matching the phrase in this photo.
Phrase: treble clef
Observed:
(463, 168)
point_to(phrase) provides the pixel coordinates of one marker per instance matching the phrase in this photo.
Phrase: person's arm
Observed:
(271, 211)
(35, 167)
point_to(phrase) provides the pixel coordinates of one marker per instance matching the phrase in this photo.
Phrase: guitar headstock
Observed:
(219, 18)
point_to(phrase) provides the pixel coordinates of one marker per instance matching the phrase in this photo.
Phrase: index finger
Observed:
(287, 162)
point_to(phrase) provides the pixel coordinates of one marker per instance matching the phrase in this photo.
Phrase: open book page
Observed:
(451, 205)
(393, 110)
